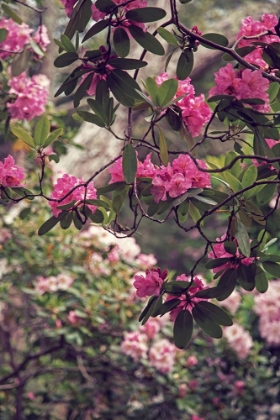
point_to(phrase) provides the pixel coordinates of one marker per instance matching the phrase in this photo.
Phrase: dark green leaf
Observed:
(261, 280)
(147, 308)
(121, 42)
(217, 38)
(209, 327)
(67, 43)
(183, 329)
(145, 14)
(152, 307)
(126, 63)
(166, 91)
(167, 36)
(48, 225)
(99, 203)
(152, 89)
(42, 130)
(146, 40)
(3, 34)
(21, 62)
(215, 313)
(174, 119)
(95, 29)
(168, 305)
(184, 65)
(246, 277)
(77, 222)
(272, 268)
(129, 163)
(118, 202)
(81, 91)
(66, 220)
(230, 247)
(96, 217)
(111, 187)
(243, 239)
(241, 51)
(66, 59)
(105, 6)
(217, 262)
(228, 281)
(266, 194)
(211, 292)
(163, 148)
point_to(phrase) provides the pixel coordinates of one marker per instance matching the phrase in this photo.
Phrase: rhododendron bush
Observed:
(228, 198)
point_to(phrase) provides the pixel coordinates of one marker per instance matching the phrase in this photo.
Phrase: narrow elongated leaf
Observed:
(66, 220)
(215, 313)
(163, 148)
(209, 327)
(145, 14)
(66, 59)
(146, 40)
(152, 89)
(129, 163)
(53, 136)
(48, 225)
(194, 212)
(3, 34)
(167, 36)
(211, 293)
(105, 6)
(261, 280)
(217, 38)
(246, 277)
(272, 268)
(234, 183)
(249, 176)
(127, 63)
(67, 43)
(121, 42)
(183, 329)
(168, 305)
(42, 130)
(167, 91)
(125, 82)
(228, 281)
(96, 28)
(81, 91)
(154, 305)
(184, 65)
(9, 12)
(24, 136)
(243, 239)
(147, 308)
(230, 247)
(217, 262)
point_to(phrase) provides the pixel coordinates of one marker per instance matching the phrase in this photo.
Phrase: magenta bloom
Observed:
(150, 284)
(18, 36)
(41, 37)
(11, 175)
(178, 185)
(69, 5)
(242, 84)
(63, 186)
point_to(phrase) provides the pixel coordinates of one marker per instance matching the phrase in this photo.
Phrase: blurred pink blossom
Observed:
(135, 345)
(162, 355)
(239, 340)
(191, 361)
(17, 37)
(151, 283)
(11, 174)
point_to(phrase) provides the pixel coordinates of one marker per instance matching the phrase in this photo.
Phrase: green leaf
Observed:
(185, 1)
(194, 212)
(91, 118)
(241, 51)
(24, 136)
(105, 6)
(152, 89)
(168, 305)
(95, 29)
(77, 222)
(147, 308)
(266, 194)
(96, 217)
(217, 38)
(66, 59)
(145, 14)
(81, 91)
(11, 14)
(215, 313)
(246, 277)
(249, 177)
(146, 40)
(166, 91)
(243, 239)
(272, 268)
(174, 119)
(48, 225)
(127, 63)
(118, 202)
(175, 287)
(42, 130)
(167, 36)
(123, 87)
(129, 163)
(53, 136)
(121, 42)
(3, 34)
(209, 327)
(261, 280)
(216, 263)
(163, 148)
(230, 247)
(184, 65)
(210, 293)
(66, 220)
(111, 187)
(273, 90)
(21, 62)
(183, 329)
(102, 94)
(153, 306)
(228, 281)
(67, 43)
(234, 183)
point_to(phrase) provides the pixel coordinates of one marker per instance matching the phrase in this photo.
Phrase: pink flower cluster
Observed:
(267, 306)
(68, 5)
(162, 355)
(151, 283)
(19, 35)
(232, 303)
(177, 178)
(53, 283)
(135, 345)
(120, 18)
(252, 28)
(11, 175)
(31, 96)
(218, 251)
(174, 179)
(242, 84)
(191, 300)
(239, 340)
(64, 185)
(195, 112)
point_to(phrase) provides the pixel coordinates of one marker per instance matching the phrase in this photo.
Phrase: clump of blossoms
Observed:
(150, 284)
(267, 307)
(254, 28)
(239, 340)
(53, 283)
(11, 174)
(162, 355)
(119, 19)
(218, 251)
(242, 84)
(63, 186)
(194, 110)
(30, 94)
(19, 35)
(173, 180)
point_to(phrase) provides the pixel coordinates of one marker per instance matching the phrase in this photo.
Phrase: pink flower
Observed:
(146, 261)
(135, 345)
(31, 96)
(145, 169)
(11, 175)
(178, 185)
(63, 186)
(239, 387)
(162, 355)
(73, 318)
(64, 281)
(17, 37)
(151, 283)
(151, 328)
(239, 340)
(41, 37)
(191, 361)
(4, 234)
(182, 390)
(242, 84)
(232, 302)
(195, 417)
